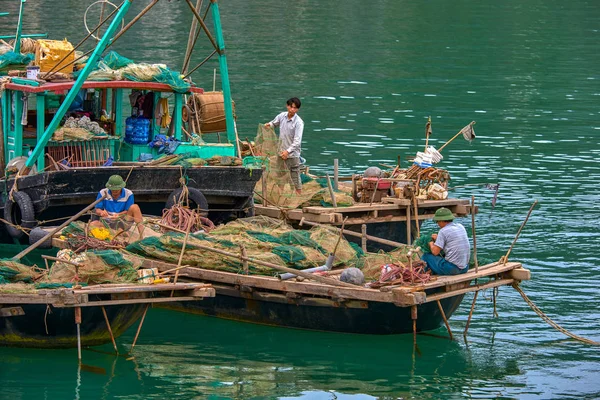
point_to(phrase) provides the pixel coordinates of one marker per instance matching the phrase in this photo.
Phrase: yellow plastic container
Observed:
(50, 53)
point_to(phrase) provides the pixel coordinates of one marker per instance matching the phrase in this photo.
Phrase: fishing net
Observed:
(12, 272)
(115, 61)
(12, 60)
(371, 263)
(107, 266)
(279, 188)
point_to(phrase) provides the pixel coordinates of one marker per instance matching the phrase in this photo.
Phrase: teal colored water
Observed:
(369, 74)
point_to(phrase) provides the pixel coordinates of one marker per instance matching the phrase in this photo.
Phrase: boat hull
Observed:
(57, 194)
(43, 326)
(362, 317)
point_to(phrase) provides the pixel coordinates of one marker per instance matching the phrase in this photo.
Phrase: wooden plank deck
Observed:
(115, 294)
(390, 210)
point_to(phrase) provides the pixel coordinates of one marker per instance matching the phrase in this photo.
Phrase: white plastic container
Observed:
(33, 72)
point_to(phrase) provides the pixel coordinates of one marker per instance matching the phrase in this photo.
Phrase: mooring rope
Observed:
(548, 320)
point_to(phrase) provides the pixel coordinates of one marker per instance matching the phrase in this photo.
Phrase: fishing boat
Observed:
(52, 169)
(267, 281)
(389, 204)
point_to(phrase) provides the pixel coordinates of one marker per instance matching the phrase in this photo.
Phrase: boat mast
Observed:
(17, 48)
(85, 72)
(231, 136)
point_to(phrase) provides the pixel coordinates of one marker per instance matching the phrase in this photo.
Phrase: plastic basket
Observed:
(255, 162)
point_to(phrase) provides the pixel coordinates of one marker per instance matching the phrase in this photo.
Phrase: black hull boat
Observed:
(41, 326)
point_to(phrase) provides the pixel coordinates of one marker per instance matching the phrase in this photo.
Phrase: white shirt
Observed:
(290, 133)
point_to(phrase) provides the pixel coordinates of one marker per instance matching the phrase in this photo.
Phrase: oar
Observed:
(52, 232)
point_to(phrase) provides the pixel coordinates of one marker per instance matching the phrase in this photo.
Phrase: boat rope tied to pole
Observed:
(548, 320)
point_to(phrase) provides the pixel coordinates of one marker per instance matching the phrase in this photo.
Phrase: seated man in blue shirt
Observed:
(118, 203)
(453, 239)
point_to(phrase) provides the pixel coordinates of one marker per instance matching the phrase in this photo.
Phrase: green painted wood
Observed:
(177, 115)
(27, 35)
(154, 127)
(118, 112)
(19, 28)
(224, 72)
(40, 99)
(90, 65)
(27, 82)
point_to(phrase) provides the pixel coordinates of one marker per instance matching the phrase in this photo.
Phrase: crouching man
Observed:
(453, 240)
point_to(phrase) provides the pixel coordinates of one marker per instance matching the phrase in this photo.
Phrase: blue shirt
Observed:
(118, 205)
(453, 239)
(290, 133)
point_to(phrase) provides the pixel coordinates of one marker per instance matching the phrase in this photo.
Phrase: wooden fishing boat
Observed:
(328, 307)
(51, 318)
(51, 177)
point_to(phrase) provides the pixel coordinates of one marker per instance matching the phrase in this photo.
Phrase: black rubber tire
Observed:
(36, 234)
(19, 212)
(194, 196)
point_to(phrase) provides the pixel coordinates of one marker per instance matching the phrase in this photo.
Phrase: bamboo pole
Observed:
(445, 319)
(408, 226)
(49, 234)
(416, 214)
(306, 275)
(244, 255)
(413, 315)
(191, 39)
(455, 136)
(470, 313)
(204, 27)
(112, 337)
(139, 328)
(335, 173)
(331, 193)
(187, 235)
(363, 242)
(374, 192)
(505, 258)
(355, 234)
(78, 323)
(474, 234)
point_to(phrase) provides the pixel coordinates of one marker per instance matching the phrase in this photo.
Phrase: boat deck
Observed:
(389, 210)
(307, 292)
(111, 294)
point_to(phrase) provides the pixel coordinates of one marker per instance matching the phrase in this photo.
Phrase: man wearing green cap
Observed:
(453, 240)
(118, 203)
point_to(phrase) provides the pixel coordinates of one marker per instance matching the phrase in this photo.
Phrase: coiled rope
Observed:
(549, 321)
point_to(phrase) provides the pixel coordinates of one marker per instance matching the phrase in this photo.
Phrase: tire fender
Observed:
(19, 211)
(194, 195)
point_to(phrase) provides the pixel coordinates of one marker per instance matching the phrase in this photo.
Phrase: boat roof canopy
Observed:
(62, 87)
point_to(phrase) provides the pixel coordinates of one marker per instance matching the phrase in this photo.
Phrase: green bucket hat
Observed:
(115, 182)
(443, 214)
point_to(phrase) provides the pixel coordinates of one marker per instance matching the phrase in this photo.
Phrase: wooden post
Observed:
(445, 319)
(335, 173)
(519, 232)
(78, 323)
(413, 315)
(110, 330)
(374, 192)
(264, 183)
(417, 214)
(331, 193)
(470, 313)
(139, 327)
(354, 188)
(408, 226)
(244, 258)
(187, 235)
(474, 234)
(363, 230)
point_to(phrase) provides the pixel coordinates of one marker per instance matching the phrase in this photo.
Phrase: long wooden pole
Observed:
(474, 234)
(519, 232)
(112, 337)
(52, 232)
(355, 234)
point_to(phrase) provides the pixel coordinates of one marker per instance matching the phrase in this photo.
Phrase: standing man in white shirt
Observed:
(291, 128)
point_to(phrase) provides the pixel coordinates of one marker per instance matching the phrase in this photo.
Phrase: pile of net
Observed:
(116, 67)
(91, 267)
(280, 190)
(13, 272)
(264, 239)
